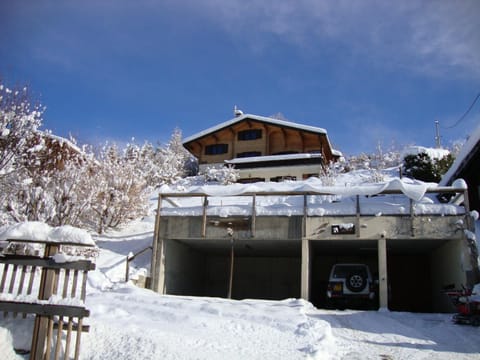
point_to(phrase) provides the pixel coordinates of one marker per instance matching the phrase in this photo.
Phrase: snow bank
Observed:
(433, 153)
(70, 234)
(131, 323)
(39, 231)
(33, 230)
(202, 328)
(411, 188)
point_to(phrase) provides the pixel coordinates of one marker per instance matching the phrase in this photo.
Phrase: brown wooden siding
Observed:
(274, 140)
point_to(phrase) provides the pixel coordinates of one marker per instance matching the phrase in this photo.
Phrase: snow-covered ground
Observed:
(127, 322)
(132, 323)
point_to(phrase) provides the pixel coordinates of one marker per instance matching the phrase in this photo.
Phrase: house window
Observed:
(249, 154)
(216, 149)
(251, 134)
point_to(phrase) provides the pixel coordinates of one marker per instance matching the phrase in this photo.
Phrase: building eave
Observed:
(262, 119)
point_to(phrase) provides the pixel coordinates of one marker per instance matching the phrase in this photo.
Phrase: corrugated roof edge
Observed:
(254, 117)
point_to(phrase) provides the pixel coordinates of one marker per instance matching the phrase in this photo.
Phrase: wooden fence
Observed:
(52, 291)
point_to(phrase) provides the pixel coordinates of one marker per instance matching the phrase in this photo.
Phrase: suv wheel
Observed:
(355, 282)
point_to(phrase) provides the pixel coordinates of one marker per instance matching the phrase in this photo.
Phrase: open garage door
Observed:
(410, 284)
(261, 269)
(417, 270)
(326, 253)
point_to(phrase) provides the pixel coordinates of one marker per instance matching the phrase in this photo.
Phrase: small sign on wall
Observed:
(343, 229)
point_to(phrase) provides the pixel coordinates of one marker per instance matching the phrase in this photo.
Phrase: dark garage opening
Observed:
(409, 283)
(411, 266)
(327, 253)
(414, 274)
(262, 269)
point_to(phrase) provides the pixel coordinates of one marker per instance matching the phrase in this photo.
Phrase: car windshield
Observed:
(342, 271)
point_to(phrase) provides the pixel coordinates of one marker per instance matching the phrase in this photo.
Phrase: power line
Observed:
(464, 115)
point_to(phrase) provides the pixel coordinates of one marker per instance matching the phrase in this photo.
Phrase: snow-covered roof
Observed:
(264, 119)
(337, 152)
(273, 158)
(461, 160)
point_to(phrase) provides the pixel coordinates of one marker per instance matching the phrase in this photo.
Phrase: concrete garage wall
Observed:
(215, 275)
(199, 273)
(181, 269)
(447, 267)
(273, 278)
(409, 282)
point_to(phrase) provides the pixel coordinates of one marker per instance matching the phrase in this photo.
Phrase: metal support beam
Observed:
(382, 273)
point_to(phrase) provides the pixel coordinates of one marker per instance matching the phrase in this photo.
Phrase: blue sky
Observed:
(368, 72)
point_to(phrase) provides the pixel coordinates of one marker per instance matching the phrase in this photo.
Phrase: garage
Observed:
(261, 269)
(417, 270)
(286, 251)
(271, 269)
(326, 253)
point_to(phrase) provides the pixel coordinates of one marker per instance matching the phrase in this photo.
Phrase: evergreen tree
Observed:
(424, 168)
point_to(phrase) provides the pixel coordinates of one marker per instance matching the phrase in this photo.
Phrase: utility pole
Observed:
(437, 135)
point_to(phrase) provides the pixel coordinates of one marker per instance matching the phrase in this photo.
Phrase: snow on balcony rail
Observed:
(395, 197)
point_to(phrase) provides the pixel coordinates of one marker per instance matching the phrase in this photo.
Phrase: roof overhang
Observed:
(276, 160)
(257, 118)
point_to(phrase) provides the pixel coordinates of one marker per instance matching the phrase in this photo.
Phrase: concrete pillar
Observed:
(153, 264)
(382, 273)
(158, 276)
(305, 276)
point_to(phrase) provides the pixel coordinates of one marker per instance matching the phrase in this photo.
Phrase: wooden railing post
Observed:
(44, 324)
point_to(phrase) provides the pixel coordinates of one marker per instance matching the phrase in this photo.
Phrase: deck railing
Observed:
(51, 291)
(456, 195)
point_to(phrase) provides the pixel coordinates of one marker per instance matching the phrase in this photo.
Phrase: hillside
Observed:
(132, 323)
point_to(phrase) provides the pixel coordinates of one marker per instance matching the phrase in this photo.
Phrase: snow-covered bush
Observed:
(51, 184)
(176, 162)
(329, 173)
(379, 160)
(19, 120)
(224, 175)
(119, 191)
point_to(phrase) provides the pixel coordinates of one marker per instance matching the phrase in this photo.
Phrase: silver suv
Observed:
(350, 283)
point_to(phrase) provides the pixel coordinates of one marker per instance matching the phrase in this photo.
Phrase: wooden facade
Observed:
(252, 136)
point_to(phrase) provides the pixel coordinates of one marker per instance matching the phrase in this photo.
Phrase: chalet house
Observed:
(275, 242)
(263, 148)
